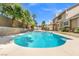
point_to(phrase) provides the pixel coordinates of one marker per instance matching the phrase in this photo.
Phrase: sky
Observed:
(46, 11)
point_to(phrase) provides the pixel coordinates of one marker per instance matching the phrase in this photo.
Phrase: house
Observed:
(49, 26)
(68, 19)
(72, 17)
(58, 21)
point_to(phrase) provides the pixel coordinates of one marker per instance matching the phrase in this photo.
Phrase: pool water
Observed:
(39, 40)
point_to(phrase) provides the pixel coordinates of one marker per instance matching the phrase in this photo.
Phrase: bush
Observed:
(76, 30)
(65, 29)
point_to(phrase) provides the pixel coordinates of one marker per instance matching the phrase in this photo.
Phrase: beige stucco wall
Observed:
(17, 24)
(10, 31)
(4, 21)
(7, 22)
(60, 21)
(50, 26)
(74, 23)
(72, 12)
(78, 22)
(55, 27)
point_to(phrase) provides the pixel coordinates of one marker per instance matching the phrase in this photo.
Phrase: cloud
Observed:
(32, 4)
(53, 10)
(49, 21)
(58, 11)
(48, 9)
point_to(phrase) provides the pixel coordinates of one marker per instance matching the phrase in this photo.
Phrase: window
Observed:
(66, 23)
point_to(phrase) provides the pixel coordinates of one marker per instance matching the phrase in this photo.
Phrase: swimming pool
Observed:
(37, 39)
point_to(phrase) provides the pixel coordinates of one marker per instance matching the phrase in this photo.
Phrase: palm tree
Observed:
(15, 12)
(12, 10)
(25, 17)
(43, 25)
(34, 16)
(33, 24)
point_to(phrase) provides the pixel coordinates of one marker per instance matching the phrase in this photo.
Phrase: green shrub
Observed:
(76, 30)
(65, 29)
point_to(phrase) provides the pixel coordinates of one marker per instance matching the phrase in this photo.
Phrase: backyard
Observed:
(23, 32)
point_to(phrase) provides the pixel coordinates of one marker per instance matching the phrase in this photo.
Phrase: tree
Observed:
(16, 12)
(43, 25)
(12, 10)
(25, 19)
(34, 16)
(33, 24)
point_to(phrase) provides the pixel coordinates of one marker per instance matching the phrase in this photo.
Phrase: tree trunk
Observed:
(13, 21)
(23, 25)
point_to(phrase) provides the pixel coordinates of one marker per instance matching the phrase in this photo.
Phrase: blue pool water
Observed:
(39, 40)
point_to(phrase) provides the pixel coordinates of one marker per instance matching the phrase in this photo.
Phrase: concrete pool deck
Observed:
(70, 48)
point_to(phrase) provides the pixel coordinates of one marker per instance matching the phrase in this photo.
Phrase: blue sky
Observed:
(46, 11)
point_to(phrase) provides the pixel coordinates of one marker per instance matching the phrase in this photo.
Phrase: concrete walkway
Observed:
(70, 34)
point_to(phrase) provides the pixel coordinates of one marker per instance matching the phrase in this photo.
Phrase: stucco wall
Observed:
(10, 31)
(78, 22)
(72, 12)
(17, 24)
(61, 20)
(4, 21)
(74, 23)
